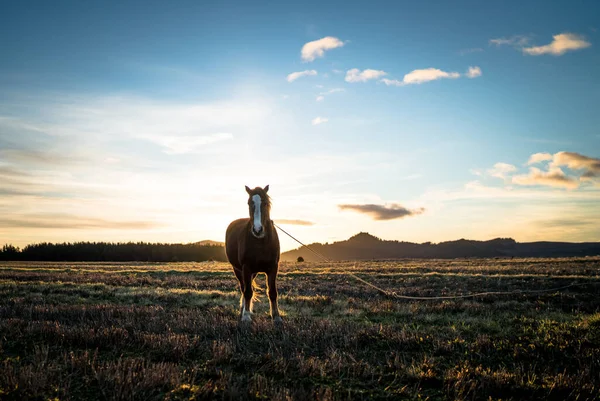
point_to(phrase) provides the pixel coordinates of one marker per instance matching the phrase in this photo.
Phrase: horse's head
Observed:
(259, 206)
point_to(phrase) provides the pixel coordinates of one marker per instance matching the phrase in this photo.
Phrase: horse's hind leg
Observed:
(247, 294)
(272, 289)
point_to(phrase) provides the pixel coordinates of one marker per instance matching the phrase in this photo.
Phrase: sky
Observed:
(413, 121)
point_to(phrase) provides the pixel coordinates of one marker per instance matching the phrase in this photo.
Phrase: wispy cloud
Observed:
(66, 221)
(319, 120)
(383, 212)
(473, 72)
(517, 41)
(299, 74)
(316, 49)
(421, 76)
(322, 95)
(175, 145)
(355, 75)
(295, 222)
(560, 44)
(38, 157)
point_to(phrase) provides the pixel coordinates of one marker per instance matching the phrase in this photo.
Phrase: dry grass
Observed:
(113, 331)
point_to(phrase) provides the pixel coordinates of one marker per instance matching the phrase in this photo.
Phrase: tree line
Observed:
(114, 252)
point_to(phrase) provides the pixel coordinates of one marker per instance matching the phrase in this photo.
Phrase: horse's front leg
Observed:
(272, 289)
(247, 294)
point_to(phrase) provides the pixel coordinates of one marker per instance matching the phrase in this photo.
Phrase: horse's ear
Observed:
(248, 190)
(266, 189)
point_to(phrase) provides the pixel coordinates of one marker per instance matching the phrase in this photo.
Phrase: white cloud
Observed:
(355, 75)
(560, 44)
(500, 170)
(317, 48)
(473, 72)
(295, 75)
(319, 120)
(421, 76)
(428, 74)
(539, 157)
(392, 82)
(320, 98)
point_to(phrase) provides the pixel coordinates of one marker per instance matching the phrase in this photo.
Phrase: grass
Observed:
(114, 331)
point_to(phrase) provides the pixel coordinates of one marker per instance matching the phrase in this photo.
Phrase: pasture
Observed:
(110, 331)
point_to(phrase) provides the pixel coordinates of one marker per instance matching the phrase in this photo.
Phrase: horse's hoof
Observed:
(246, 318)
(278, 321)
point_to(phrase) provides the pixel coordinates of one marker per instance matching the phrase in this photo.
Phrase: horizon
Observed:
(143, 121)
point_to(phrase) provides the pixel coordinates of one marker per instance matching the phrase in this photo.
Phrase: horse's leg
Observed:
(247, 302)
(240, 277)
(272, 289)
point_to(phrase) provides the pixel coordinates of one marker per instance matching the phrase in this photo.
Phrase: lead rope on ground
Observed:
(393, 294)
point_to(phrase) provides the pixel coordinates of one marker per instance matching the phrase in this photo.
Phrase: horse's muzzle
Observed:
(260, 233)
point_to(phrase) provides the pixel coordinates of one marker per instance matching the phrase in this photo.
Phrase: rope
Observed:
(393, 294)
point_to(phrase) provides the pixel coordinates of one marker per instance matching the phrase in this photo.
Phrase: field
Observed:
(101, 331)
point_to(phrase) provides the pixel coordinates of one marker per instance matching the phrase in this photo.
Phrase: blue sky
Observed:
(144, 120)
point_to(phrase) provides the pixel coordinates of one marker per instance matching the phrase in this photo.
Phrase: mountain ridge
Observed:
(364, 246)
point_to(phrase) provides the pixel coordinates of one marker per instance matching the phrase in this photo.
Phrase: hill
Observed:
(364, 246)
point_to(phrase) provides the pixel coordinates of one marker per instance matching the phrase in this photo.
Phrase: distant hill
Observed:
(209, 242)
(364, 246)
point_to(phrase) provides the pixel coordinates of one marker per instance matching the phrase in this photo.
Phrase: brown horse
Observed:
(252, 247)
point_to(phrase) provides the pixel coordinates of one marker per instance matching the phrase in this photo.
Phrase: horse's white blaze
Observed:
(257, 222)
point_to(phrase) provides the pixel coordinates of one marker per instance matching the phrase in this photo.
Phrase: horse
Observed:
(252, 247)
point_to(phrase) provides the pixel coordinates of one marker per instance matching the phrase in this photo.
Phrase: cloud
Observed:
(322, 95)
(381, 212)
(500, 170)
(175, 145)
(299, 74)
(316, 49)
(539, 157)
(560, 44)
(6, 171)
(554, 177)
(517, 41)
(319, 120)
(37, 157)
(295, 222)
(355, 75)
(66, 221)
(428, 74)
(421, 76)
(473, 72)
(576, 161)
(564, 222)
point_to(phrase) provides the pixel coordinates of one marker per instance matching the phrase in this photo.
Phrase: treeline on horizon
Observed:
(114, 252)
